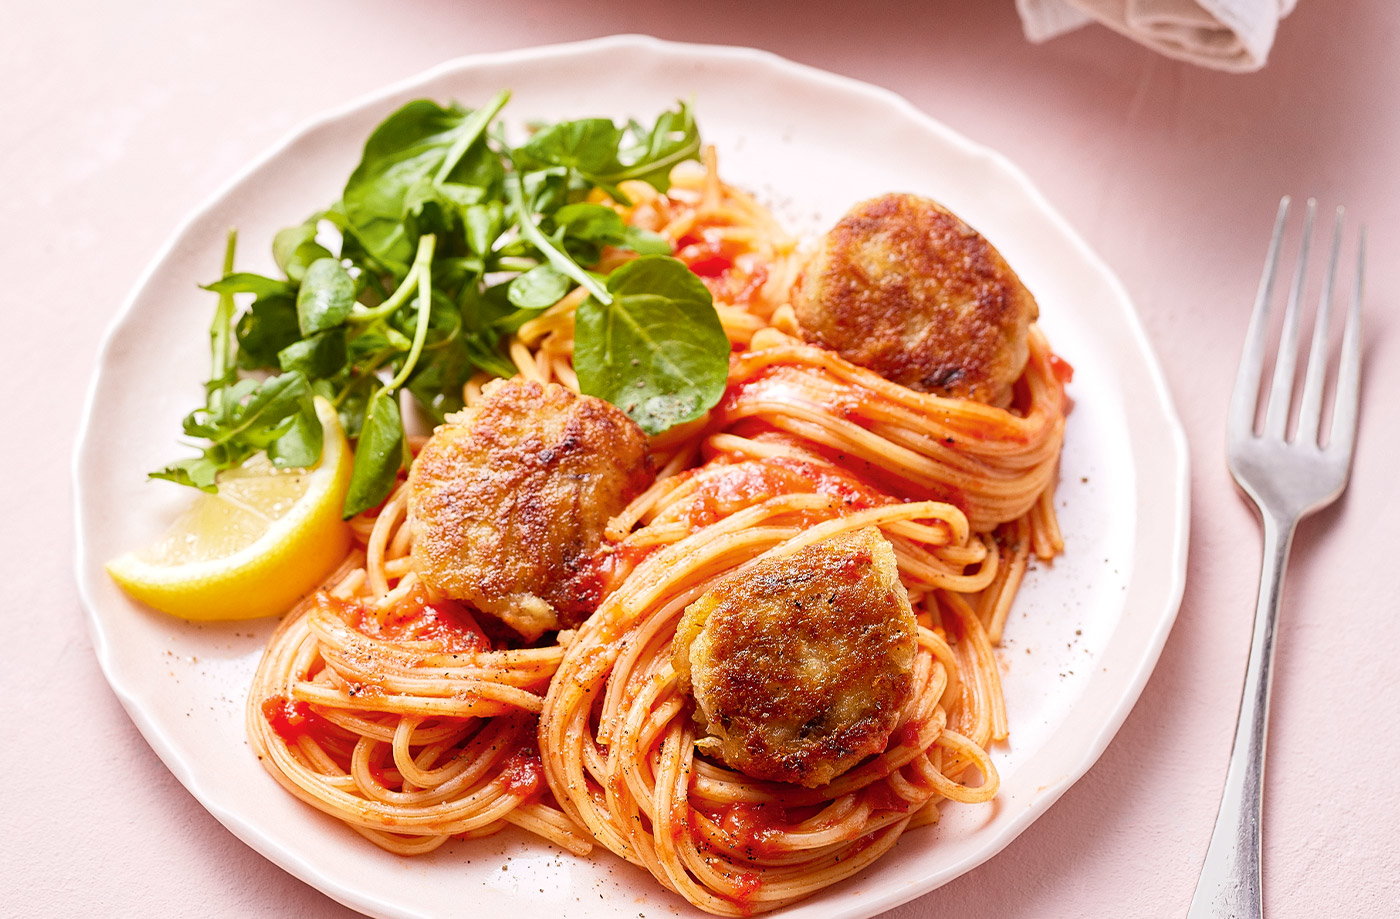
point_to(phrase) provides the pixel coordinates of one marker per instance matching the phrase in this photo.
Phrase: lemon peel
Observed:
(257, 546)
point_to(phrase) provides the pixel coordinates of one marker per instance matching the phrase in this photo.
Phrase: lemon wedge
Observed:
(257, 546)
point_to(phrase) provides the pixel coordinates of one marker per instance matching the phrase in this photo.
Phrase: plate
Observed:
(1081, 642)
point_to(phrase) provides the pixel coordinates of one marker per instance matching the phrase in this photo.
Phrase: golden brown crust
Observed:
(800, 665)
(902, 286)
(509, 500)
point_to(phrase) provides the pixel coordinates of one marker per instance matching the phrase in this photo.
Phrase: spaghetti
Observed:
(618, 740)
(393, 712)
(805, 446)
(617, 736)
(389, 708)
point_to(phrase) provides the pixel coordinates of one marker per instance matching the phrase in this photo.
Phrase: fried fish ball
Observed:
(902, 286)
(800, 665)
(508, 501)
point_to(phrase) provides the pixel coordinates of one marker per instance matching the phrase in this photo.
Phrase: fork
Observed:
(1286, 478)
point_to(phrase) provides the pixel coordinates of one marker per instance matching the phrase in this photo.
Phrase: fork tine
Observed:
(1245, 396)
(1310, 414)
(1343, 437)
(1281, 392)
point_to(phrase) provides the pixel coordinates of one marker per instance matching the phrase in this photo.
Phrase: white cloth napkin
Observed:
(1231, 35)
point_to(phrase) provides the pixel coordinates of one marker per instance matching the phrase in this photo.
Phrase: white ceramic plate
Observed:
(1081, 642)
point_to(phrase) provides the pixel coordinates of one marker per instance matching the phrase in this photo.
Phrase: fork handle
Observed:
(1229, 886)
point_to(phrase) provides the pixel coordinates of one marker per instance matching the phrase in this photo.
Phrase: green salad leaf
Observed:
(326, 296)
(446, 239)
(422, 141)
(379, 455)
(295, 248)
(656, 349)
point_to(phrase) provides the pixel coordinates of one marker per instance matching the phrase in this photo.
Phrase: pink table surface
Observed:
(119, 118)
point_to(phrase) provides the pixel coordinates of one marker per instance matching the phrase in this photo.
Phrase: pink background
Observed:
(120, 118)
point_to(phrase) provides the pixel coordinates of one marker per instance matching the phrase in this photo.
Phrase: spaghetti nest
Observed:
(390, 708)
(393, 711)
(618, 736)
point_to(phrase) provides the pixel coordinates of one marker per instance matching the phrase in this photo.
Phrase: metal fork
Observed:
(1286, 479)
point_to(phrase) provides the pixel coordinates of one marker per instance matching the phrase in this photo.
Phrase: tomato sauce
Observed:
(908, 735)
(679, 822)
(880, 797)
(523, 773)
(711, 266)
(745, 294)
(609, 567)
(732, 487)
(446, 623)
(755, 828)
(708, 254)
(291, 720)
(767, 384)
(746, 888)
(450, 625)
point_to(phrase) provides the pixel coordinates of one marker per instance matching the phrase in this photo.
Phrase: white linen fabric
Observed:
(1233, 35)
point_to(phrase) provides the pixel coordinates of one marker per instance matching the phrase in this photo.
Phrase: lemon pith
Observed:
(256, 547)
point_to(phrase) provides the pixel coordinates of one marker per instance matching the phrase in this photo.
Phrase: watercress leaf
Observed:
(455, 274)
(584, 220)
(650, 158)
(398, 341)
(317, 357)
(200, 423)
(216, 387)
(510, 324)
(582, 230)
(484, 349)
(245, 282)
(480, 168)
(295, 248)
(404, 323)
(454, 195)
(515, 248)
(378, 455)
(286, 240)
(365, 346)
(269, 411)
(546, 190)
(335, 216)
(588, 145)
(354, 402)
(481, 308)
(196, 471)
(587, 227)
(645, 242)
(326, 389)
(266, 328)
(436, 207)
(539, 288)
(547, 247)
(444, 318)
(300, 444)
(234, 395)
(437, 382)
(407, 147)
(241, 389)
(326, 296)
(483, 223)
(414, 143)
(657, 351)
(376, 274)
(210, 420)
